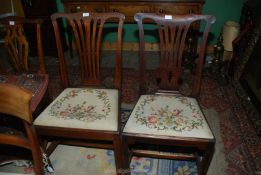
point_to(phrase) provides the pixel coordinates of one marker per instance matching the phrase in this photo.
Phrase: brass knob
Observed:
(191, 11)
(115, 10)
(75, 9)
(161, 11)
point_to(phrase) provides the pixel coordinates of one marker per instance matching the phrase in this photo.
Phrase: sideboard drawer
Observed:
(97, 7)
(129, 10)
(177, 9)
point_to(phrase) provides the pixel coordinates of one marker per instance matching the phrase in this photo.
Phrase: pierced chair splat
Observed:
(88, 114)
(170, 124)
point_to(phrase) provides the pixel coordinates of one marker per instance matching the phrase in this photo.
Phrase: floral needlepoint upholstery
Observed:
(168, 115)
(84, 108)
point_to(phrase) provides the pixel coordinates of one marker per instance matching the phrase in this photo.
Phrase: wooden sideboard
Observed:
(130, 7)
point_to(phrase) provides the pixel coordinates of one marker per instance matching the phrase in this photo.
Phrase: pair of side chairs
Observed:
(167, 121)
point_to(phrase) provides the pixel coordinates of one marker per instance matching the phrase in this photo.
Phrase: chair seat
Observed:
(36, 83)
(169, 116)
(82, 108)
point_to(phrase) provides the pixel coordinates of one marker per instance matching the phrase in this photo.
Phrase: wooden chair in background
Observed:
(18, 49)
(87, 115)
(15, 103)
(170, 121)
(17, 44)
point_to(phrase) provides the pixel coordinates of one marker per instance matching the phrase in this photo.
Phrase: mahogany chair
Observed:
(18, 48)
(170, 124)
(17, 44)
(15, 103)
(86, 115)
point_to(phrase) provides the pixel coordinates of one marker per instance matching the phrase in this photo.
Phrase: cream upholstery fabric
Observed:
(82, 108)
(168, 115)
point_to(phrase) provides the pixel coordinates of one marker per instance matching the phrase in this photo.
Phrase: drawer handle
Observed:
(115, 10)
(75, 9)
(143, 11)
(191, 11)
(162, 11)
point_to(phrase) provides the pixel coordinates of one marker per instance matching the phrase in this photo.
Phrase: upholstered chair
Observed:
(169, 124)
(86, 114)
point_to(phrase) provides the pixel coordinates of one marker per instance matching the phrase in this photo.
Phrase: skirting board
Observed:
(132, 46)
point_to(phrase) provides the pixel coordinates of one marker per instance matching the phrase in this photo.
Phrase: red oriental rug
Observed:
(242, 145)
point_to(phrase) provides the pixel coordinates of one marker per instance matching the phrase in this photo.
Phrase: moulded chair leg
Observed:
(205, 160)
(38, 166)
(126, 157)
(118, 154)
(36, 152)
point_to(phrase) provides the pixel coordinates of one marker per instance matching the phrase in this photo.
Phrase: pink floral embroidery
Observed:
(163, 117)
(90, 156)
(175, 112)
(73, 93)
(152, 119)
(64, 113)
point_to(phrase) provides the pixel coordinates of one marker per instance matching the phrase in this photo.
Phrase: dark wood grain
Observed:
(15, 102)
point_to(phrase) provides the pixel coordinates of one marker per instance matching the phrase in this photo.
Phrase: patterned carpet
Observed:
(242, 146)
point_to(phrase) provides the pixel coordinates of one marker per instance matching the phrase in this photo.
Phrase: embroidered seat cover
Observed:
(168, 115)
(83, 108)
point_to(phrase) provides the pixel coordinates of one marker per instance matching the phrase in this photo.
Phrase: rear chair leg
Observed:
(204, 161)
